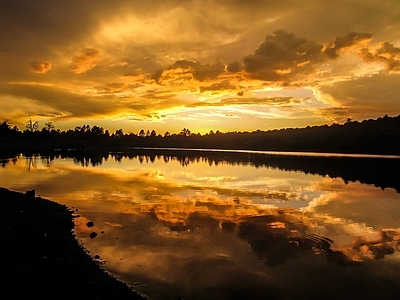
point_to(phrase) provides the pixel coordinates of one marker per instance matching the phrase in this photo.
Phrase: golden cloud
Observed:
(40, 67)
(188, 70)
(269, 101)
(385, 53)
(332, 50)
(362, 98)
(282, 58)
(86, 61)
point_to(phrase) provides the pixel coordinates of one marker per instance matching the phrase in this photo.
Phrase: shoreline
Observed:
(41, 257)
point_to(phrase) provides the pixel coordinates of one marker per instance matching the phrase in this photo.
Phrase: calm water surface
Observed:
(221, 227)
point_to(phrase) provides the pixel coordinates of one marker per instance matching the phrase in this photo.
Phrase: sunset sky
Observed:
(229, 65)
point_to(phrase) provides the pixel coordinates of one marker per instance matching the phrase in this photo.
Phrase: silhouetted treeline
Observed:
(380, 172)
(373, 136)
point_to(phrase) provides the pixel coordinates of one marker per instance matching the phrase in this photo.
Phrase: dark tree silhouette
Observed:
(185, 132)
(49, 126)
(142, 133)
(32, 126)
(119, 133)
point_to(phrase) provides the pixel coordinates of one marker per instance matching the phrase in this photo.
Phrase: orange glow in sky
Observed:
(204, 65)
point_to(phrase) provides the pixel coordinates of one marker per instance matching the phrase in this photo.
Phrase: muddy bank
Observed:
(40, 257)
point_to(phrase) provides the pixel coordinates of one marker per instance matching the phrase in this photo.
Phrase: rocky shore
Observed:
(40, 257)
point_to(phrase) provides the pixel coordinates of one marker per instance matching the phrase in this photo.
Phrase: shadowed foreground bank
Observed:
(40, 257)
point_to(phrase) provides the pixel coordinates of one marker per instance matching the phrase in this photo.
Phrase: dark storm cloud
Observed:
(278, 57)
(234, 67)
(281, 54)
(281, 57)
(208, 71)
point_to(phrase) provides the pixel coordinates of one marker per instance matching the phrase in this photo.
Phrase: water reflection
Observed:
(214, 227)
(380, 171)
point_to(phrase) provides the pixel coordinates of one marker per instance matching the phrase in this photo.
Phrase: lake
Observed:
(231, 225)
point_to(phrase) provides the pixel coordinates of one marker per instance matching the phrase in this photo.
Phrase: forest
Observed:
(372, 136)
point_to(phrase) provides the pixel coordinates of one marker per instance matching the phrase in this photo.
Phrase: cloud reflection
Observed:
(167, 224)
